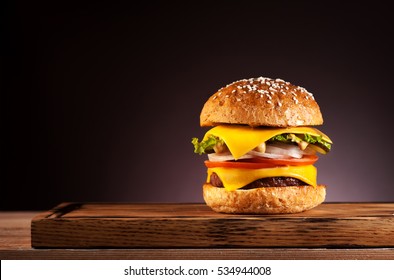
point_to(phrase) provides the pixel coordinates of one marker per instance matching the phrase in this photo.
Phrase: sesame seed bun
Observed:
(267, 200)
(261, 102)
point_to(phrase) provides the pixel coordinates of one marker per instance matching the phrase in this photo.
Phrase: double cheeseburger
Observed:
(262, 148)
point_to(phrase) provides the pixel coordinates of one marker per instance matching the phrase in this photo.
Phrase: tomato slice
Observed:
(257, 163)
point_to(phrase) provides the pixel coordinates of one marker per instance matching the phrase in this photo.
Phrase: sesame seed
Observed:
(301, 89)
(261, 86)
(310, 94)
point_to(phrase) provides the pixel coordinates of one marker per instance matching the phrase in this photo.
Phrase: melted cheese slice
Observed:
(242, 139)
(235, 178)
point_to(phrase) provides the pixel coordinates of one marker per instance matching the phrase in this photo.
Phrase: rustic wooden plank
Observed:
(14, 225)
(201, 254)
(15, 230)
(103, 225)
(169, 210)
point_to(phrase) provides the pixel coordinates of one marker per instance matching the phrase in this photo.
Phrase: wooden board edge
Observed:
(82, 234)
(201, 254)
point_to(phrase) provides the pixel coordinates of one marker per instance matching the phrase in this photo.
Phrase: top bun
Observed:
(261, 102)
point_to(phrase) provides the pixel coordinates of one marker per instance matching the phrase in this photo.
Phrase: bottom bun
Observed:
(266, 200)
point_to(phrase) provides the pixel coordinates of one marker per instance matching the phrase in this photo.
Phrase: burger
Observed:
(262, 148)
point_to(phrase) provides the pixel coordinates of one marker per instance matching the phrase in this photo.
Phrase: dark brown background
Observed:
(100, 102)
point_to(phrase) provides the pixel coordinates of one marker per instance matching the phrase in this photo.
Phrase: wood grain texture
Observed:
(200, 254)
(140, 226)
(15, 230)
(15, 244)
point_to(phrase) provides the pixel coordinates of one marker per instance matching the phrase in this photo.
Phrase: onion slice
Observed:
(225, 156)
(284, 149)
(267, 155)
(273, 150)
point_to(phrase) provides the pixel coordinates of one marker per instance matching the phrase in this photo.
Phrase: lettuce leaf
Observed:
(208, 145)
(311, 139)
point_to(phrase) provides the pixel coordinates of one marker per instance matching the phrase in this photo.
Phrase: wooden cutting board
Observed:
(104, 225)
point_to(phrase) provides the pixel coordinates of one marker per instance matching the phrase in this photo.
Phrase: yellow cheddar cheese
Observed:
(242, 139)
(235, 178)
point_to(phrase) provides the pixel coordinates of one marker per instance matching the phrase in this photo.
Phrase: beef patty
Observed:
(261, 183)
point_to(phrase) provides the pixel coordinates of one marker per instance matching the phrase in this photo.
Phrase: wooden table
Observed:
(15, 235)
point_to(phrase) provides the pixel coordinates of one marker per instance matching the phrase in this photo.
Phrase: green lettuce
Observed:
(208, 145)
(311, 139)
